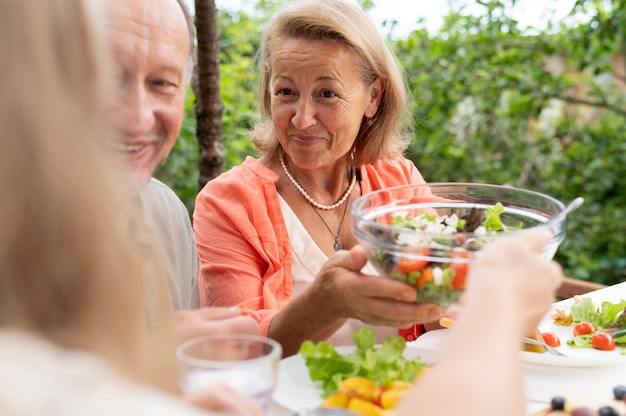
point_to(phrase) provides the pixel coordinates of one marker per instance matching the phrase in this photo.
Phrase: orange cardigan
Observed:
(242, 240)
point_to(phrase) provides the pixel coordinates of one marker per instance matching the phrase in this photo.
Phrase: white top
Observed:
(308, 259)
(39, 378)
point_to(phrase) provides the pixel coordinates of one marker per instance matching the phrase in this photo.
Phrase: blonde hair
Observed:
(70, 269)
(387, 134)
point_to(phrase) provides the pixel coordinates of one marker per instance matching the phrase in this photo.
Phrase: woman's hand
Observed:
(214, 320)
(511, 272)
(224, 401)
(342, 289)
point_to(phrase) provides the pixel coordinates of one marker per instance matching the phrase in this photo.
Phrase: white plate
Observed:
(295, 390)
(576, 357)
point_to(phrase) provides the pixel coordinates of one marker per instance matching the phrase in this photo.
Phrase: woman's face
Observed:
(318, 100)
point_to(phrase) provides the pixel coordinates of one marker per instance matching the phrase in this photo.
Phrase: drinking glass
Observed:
(246, 363)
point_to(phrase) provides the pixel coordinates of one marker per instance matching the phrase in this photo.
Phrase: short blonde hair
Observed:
(387, 134)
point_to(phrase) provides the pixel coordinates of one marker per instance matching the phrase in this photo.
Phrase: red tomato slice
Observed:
(551, 339)
(583, 328)
(460, 269)
(603, 341)
(380, 396)
(408, 265)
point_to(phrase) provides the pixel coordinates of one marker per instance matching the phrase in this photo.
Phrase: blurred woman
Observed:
(74, 332)
(335, 120)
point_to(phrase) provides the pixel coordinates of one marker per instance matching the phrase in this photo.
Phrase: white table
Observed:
(544, 382)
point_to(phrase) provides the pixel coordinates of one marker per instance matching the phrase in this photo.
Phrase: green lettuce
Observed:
(382, 365)
(604, 316)
(493, 223)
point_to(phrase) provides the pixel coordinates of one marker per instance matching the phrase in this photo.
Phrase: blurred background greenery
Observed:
(541, 109)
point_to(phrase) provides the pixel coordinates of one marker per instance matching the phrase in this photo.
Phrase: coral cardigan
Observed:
(242, 239)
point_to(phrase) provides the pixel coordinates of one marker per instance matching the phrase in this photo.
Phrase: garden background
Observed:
(537, 108)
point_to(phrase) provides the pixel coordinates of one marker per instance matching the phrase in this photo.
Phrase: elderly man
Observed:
(152, 60)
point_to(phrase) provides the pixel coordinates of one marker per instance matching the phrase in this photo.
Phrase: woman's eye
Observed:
(328, 94)
(284, 91)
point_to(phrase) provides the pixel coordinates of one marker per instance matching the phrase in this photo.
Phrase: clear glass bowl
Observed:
(435, 263)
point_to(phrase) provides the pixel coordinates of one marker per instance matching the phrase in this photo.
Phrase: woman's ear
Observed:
(376, 94)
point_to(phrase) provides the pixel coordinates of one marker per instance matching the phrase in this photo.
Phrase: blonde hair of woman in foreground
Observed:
(74, 333)
(74, 337)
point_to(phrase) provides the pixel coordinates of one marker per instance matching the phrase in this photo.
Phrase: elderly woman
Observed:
(272, 234)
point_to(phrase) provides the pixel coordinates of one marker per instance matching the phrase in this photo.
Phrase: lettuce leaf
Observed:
(382, 365)
(493, 223)
(602, 317)
(581, 341)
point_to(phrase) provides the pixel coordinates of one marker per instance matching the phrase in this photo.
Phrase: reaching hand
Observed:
(214, 320)
(512, 271)
(223, 400)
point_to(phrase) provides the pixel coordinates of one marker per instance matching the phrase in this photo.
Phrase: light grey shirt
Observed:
(168, 219)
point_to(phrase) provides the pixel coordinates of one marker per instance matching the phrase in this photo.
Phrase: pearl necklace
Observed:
(309, 197)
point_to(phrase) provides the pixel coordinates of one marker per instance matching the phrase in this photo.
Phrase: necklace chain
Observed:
(308, 197)
(337, 245)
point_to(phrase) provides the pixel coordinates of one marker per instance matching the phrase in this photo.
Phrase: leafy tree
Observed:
(485, 92)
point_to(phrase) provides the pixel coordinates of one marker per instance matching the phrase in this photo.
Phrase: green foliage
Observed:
(485, 93)
(240, 37)
(536, 109)
(180, 169)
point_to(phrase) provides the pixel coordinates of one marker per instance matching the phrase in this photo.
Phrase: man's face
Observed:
(150, 46)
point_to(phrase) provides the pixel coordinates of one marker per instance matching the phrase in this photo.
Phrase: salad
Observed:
(602, 327)
(382, 366)
(437, 250)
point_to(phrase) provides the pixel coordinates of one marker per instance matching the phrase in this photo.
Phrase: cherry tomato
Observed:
(408, 265)
(603, 341)
(460, 269)
(551, 339)
(427, 276)
(461, 239)
(583, 328)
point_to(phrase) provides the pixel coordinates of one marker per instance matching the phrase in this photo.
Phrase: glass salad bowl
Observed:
(428, 235)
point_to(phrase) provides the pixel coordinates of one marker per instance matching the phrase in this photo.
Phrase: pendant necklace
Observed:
(315, 204)
(337, 245)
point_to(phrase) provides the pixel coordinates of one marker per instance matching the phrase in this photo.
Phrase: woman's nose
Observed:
(305, 115)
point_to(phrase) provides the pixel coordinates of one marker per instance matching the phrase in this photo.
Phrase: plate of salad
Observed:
(590, 334)
(307, 378)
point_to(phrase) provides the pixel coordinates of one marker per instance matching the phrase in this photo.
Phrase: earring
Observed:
(369, 121)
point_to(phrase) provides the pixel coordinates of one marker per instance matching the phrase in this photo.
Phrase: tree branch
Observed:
(599, 103)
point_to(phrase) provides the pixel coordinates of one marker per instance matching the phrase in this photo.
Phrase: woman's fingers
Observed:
(206, 321)
(374, 300)
(222, 399)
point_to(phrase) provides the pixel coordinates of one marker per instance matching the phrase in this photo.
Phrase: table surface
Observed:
(544, 382)
(592, 383)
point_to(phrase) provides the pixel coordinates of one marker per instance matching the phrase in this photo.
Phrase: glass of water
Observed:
(246, 363)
